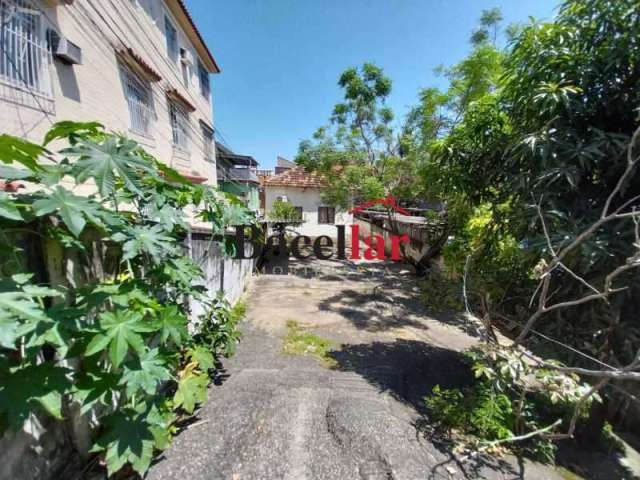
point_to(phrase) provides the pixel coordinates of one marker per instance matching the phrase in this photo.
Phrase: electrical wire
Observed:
(109, 50)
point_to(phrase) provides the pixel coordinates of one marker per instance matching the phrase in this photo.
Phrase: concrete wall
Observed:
(222, 274)
(43, 448)
(309, 199)
(94, 90)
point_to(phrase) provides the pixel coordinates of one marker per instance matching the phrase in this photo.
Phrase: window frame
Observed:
(331, 215)
(131, 81)
(208, 143)
(179, 133)
(35, 42)
(205, 85)
(173, 50)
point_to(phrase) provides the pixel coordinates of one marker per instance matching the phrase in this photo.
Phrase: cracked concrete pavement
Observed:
(288, 417)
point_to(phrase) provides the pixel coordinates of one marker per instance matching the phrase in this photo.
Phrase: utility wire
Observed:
(161, 54)
(106, 45)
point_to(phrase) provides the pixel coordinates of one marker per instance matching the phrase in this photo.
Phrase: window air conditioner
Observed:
(186, 57)
(65, 50)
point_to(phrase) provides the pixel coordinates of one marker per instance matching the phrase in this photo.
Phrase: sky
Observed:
(281, 59)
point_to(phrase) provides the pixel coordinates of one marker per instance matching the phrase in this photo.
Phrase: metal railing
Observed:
(243, 174)
(140, 103)
(24, 54)
(179, 126)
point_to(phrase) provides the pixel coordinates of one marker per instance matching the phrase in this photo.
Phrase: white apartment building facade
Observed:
(139, 67)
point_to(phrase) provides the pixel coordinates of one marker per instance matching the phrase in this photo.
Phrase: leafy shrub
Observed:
(441, 293)
(218, 330)
(510, 398)
(475, 410)
(283, 211)
(110, 337)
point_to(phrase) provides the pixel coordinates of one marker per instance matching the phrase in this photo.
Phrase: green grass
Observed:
(299, 342)
(238, 311)
(568, 474)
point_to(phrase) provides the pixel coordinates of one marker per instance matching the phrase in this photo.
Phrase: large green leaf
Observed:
(12, 173)
(22, 389)
(20, 313)
(128, 438)
(13, 149)
(104, 162)
(172, 325)
(192, 390)
(120, 330)
(152, 241)
(95, 387)
(202, 356)
(166, 215)
(72, 130)
(145, 373)
(8, 207)
(162, 418)
(72, 209)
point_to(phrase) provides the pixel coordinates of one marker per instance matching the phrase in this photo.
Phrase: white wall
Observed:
(94, 90)
(309, 199)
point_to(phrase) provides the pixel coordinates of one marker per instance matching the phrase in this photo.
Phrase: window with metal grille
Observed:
(326, 215)
(172, 39)
(179, 126)
(205, 87)
(298, 213)
(140, 102)
(207, 139)
(24, 54)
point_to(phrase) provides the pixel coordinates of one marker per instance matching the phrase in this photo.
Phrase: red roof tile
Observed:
(176, 96)
(296, 177)
(132, 58)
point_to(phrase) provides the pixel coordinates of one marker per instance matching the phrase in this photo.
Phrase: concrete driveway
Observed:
(276, 416)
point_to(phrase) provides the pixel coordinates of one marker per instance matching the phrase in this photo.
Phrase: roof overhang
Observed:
(137, 64)
(182, 15)
(177, 97)
(207, 125)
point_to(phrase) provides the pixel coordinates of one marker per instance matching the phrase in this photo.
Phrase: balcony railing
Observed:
(243, 175)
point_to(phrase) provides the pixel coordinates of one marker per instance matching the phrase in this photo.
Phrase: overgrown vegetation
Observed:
(283, 211)
(95, 292)
(535, 149)
(300, 342)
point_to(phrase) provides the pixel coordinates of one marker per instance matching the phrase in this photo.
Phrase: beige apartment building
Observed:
(139, 67)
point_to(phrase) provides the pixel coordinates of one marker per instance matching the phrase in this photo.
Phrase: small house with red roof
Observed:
(303, 190)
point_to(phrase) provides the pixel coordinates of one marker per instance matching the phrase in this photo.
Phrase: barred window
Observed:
(172, 39)
(207, 138)
(140, 102)
(179, 126)
(24, 54)
(205, 87)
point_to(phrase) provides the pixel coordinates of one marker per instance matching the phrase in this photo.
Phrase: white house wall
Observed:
(309, 199)
(94, 91)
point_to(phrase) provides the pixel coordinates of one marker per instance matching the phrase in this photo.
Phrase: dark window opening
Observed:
(326, 215)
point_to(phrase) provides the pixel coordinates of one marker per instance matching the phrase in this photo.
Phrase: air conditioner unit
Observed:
(65, 50)
(186, 57)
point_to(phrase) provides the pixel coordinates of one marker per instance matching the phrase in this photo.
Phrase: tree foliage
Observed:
(532, 164)
(124, 329)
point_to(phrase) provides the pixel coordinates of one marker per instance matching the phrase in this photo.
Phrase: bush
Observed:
(111, 337)
(475, 410)
(283, 211)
